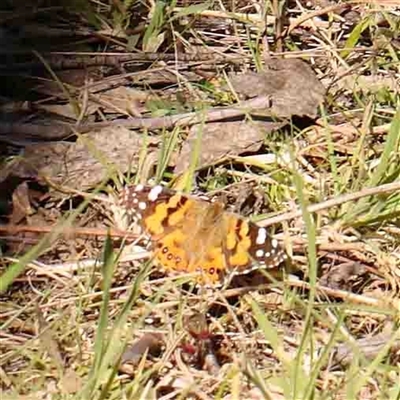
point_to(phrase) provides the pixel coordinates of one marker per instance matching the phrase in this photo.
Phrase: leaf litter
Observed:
(137, 112)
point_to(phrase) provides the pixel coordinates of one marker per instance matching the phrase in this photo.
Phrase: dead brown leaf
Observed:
(71, 382)
(291, 84)
(128, 100)
(221, 139)
(87, 162)
(67, 110)
(70, 77)
(48, 340)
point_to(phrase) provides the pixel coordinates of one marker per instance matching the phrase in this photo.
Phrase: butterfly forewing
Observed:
(152, 207)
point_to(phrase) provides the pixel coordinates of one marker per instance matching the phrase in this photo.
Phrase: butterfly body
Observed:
(192, 235)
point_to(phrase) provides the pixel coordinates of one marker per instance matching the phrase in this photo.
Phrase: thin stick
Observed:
(186, 119)
(305, 17)
(344, 295)
(14, 229)
(387, 188)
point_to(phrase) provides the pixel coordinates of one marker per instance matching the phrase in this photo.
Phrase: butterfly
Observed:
(194, 235)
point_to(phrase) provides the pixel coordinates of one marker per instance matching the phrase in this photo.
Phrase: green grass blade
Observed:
(297, 388)
(386, 171)
(168, 147)
(355, 36)
(312, 272)
(391, 152)
(192, 9)
(101, 333)
(156, 22)
(17, 268)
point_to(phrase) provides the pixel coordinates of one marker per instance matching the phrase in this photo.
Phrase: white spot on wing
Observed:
(259, 253)
(274, 243)
(262, 235)
(142, 205)
(154, 192)
(139, 188)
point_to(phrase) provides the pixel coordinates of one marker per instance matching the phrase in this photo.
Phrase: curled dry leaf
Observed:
(124, 100)
(129, 100)
(21, 203)
(149, 342)
(222, 139)
(291, 84)
(343, 276)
